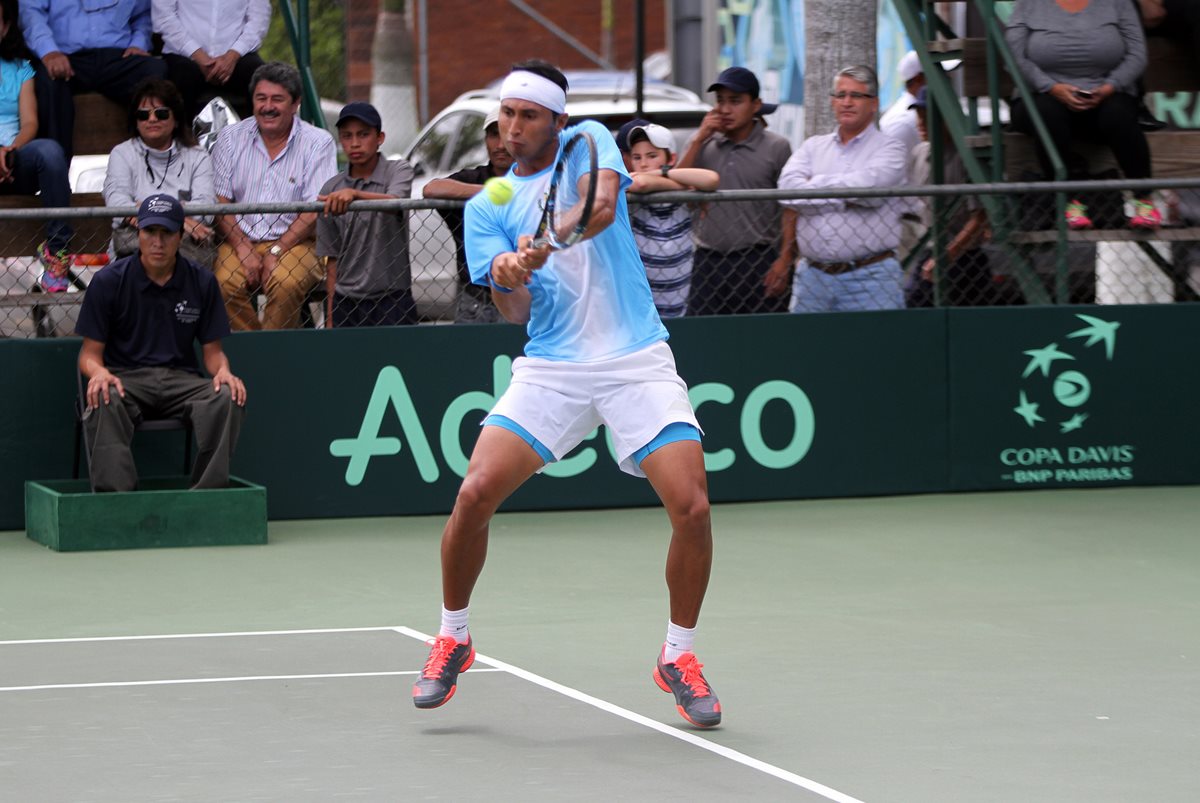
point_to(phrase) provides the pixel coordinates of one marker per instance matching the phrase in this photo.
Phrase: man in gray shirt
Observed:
(367, 273)
(738, 242)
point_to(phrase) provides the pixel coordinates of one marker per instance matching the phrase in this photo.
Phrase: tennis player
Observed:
(597, 354)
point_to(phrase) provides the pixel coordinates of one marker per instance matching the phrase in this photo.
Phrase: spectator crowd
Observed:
(1082, 58)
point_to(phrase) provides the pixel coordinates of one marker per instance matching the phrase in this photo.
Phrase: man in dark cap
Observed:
(738, 242)
(367, 271)
(140, 320)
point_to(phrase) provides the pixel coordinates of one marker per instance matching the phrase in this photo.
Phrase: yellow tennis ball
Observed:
(499, 190)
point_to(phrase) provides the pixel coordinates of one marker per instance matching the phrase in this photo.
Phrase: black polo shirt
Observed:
(142, 324)
(454, 218)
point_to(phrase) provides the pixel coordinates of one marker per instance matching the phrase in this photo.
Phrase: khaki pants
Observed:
(295, 275)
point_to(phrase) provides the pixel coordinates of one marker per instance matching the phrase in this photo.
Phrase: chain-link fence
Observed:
(971, 245)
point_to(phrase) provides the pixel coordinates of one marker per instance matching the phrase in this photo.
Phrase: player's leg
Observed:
(676, 471)
(501, 461)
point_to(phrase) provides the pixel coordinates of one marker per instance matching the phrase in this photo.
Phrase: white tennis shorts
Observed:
(635, 396)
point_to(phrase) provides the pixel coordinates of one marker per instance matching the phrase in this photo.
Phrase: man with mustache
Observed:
(738, 242)
(273, 156)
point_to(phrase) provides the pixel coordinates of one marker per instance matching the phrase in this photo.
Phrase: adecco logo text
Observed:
(391, 391)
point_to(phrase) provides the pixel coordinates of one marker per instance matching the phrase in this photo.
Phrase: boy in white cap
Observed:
(662, 231)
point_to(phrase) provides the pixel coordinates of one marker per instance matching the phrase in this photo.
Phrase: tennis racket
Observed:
(579, 146)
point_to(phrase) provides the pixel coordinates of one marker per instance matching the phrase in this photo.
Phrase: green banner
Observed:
(363, 422)
(381, 421)
(1074, 396)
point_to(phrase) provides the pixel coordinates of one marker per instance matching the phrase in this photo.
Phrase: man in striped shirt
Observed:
(272, 157)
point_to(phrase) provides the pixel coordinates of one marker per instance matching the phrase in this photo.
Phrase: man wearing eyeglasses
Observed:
(847, 245)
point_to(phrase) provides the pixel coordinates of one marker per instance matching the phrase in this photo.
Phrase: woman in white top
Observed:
(162, 156)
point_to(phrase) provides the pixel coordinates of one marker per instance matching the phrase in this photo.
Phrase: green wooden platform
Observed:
(67, 517)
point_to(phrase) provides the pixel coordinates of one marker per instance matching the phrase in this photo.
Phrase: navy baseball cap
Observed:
(364, 112)
(739, 79)
(920, 101)
(657, 136)
(160, 210)
(624, 131)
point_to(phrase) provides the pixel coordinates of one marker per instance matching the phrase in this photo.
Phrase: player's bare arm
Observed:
(604, 210)
(450, 188)
(511, 274)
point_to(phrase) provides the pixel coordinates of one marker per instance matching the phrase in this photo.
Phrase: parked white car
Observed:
(453, 139)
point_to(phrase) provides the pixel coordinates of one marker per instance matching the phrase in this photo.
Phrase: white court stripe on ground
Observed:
(690, 738)
(180, 681)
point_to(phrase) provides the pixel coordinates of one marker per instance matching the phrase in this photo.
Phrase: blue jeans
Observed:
(871, 287)
(39, 166)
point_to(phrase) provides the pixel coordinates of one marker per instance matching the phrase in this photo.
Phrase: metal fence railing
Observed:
(947, 251)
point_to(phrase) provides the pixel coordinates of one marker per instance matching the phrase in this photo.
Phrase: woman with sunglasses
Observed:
(29, 165)
(161, 157)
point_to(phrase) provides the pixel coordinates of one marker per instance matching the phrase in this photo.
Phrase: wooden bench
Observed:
(100, 124)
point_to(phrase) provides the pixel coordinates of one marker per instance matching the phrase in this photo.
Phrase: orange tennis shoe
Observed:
(694, 698)
(439, 678)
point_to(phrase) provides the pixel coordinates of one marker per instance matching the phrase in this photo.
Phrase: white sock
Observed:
(454, 623)
(679, 640)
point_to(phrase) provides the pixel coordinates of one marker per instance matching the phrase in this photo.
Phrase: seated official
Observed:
(140, 319)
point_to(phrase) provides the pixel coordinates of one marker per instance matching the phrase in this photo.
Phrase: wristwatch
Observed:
(665, 170)
(275, 251)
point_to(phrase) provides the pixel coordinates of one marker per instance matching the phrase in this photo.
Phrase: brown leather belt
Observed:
(834, 268)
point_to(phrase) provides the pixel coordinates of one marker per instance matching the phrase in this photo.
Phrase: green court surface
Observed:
(1023, 646)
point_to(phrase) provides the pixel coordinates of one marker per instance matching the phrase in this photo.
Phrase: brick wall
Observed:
(472, 42)
(360, 30)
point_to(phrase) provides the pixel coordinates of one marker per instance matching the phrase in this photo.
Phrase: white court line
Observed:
(690, 738)
(575, 694)
(180, 681)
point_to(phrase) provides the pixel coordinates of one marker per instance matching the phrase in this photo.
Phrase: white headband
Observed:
(534, 88)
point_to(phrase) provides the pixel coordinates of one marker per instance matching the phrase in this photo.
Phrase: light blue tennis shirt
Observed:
(591, 301)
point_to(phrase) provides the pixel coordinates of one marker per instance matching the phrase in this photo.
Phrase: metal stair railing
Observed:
(297, 22)
(923, 25)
